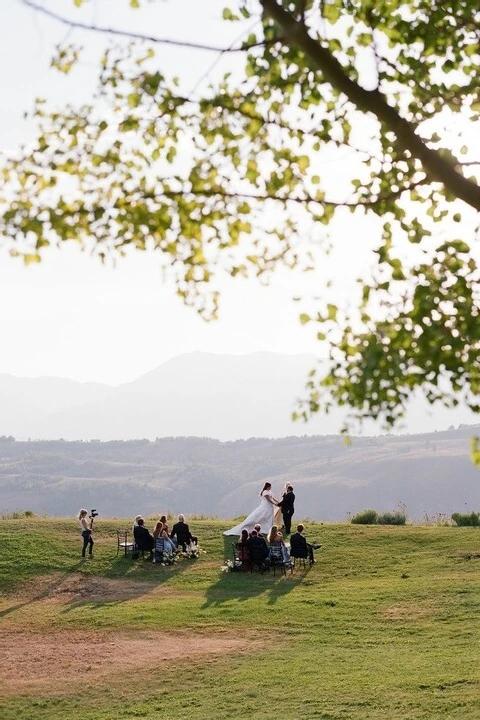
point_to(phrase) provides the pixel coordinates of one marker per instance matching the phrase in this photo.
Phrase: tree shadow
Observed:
(123, 581)
(45, 591)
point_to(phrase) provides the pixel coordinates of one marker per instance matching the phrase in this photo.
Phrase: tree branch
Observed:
(303, 200)
(372, 101)
(139, 36)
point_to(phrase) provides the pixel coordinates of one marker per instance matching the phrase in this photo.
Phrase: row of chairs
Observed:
(245, 560)
(126, 543)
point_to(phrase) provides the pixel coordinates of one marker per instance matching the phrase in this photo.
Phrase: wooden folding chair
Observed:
(123, 542)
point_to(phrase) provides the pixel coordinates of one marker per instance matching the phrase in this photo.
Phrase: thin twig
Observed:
(137, 36)
(220, 56)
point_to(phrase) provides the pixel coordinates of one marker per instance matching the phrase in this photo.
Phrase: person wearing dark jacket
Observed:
(143, 538)
(261, 540)
(286, 505)
(299, 547)
(181, 533)
(257, 548)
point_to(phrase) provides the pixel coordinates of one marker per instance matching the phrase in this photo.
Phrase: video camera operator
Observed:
(87, 530)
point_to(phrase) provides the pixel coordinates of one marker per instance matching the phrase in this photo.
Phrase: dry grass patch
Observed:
(55, 662)
(79, 586)
(408, 611)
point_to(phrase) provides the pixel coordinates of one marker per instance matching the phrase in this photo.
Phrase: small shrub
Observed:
(392, 518)
(367, 517)
(439, 519)
(17, 515)
(466, 520)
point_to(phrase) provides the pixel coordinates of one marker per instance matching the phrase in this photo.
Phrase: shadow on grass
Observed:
(45, 592)
(123, 581)
(243, 586)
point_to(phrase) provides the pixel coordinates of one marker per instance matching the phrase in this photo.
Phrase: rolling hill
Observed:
(429, 473)
(226, 397)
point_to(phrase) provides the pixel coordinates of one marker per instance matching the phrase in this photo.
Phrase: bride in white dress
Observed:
(262, 515)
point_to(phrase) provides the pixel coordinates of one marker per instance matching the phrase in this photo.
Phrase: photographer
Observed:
(86, 532)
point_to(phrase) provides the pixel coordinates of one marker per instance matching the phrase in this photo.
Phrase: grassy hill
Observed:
(428, 473)
(385, 624)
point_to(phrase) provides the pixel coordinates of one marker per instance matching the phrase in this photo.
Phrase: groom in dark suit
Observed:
(287, 507)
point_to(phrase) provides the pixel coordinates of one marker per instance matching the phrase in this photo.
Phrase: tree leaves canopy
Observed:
(236, 177)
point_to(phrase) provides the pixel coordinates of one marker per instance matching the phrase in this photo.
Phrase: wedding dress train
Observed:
(262, 515)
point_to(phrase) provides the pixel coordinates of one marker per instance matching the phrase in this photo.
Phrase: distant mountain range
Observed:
(428, 473)
(224, 397)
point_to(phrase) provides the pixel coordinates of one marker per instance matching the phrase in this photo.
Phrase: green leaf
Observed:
(332, 311)
(31, 258)
(227, 14)
(133, 99)
(303, 163)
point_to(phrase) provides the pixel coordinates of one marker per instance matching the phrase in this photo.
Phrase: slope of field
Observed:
(384, 624)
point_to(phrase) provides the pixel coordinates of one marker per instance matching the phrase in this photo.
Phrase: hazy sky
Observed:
(72, 317)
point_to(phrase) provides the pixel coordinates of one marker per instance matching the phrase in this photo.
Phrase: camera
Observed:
(93, 514)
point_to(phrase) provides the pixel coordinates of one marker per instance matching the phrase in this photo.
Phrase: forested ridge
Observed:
(430, 473)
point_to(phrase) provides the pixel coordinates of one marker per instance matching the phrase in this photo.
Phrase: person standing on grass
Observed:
(262, 515)
(286, 505)
(86, 532)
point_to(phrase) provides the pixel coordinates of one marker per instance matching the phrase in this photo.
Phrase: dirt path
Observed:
(56, 662)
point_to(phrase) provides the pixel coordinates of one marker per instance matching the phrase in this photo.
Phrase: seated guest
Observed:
(299, 547)
(181, 533)
(257, 548)
(242, 548)
(143, 538)
(258, 528)
(137, 518)
(285, 552)
(161, 531)
(273, 534)
(276, 538)
(168, 538)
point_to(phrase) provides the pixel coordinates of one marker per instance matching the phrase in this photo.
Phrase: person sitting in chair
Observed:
(257, 548)
(258, 528)
(242, 548)
(181, 533)
(161, 531)
(299, 547)
(262, 539)
(275, 537)
(143, 538)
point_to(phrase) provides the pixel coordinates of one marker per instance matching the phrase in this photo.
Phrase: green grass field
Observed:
(386, 624)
